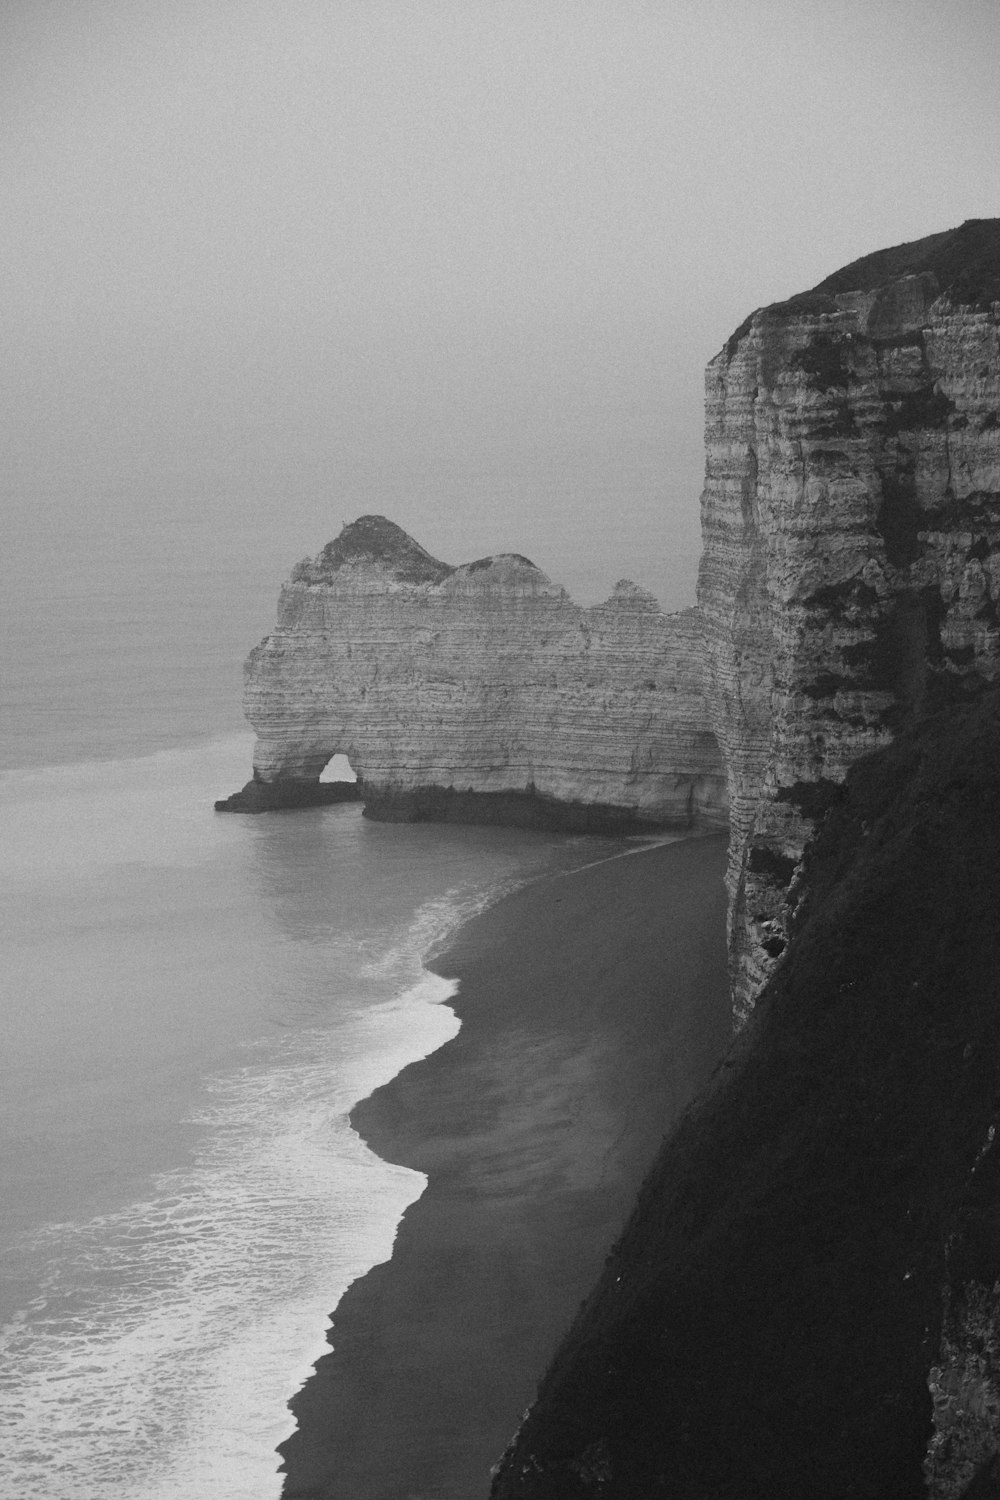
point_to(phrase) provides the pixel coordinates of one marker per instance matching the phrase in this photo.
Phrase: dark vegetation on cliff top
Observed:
(487, 562)
(964, 262)
(766, 1325)
(377, 539)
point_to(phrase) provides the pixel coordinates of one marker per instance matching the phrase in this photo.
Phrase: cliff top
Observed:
(965, 263)
(516, 558)
(375, 539)
(379, 541)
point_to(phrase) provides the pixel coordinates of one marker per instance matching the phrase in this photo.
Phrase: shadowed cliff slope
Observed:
(770, 1323)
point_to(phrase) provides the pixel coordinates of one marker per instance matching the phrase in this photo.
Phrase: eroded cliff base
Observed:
(445, 804)
(281, 796)
(440, 804)
(818, 1247)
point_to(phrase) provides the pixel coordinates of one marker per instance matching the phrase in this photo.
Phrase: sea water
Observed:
(190, 1005)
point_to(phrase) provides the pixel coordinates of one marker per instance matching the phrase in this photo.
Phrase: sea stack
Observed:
(480, 693)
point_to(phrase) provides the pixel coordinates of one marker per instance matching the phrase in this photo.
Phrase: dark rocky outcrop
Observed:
(771, 1321)
(528, 809)
(284, 796)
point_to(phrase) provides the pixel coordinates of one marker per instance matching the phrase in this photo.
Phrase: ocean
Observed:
(191, 1004)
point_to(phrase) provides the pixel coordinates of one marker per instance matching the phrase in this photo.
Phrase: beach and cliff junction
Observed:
(804, 1299)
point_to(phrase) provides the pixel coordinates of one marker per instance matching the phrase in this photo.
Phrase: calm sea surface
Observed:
(190, 1005)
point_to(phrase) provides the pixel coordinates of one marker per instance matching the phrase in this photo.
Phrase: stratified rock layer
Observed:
(851, 542)
(480, 693)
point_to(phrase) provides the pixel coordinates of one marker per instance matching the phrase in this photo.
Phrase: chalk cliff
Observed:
(850, 574)
(479, 693)
(850, 578)
(807, 1298)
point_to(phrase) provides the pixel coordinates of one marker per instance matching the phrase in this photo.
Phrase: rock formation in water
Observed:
(479, 693)
(850, 574)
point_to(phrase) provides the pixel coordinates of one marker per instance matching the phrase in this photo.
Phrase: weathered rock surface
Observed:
(771, 1322)
(286, 796)
(851, 542)
(481, 693)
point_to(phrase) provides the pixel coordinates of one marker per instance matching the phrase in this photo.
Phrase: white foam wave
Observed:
(169, 1336)
(437, 922)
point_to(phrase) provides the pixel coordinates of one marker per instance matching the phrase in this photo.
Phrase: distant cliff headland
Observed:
(807, 1300)
(479, 693)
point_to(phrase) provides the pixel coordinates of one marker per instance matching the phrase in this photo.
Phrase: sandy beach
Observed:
(593, 1005)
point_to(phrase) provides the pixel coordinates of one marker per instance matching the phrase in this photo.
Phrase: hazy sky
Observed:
(280, 262)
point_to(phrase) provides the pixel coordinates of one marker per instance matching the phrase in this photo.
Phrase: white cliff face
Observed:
(481, 679)
(850, 578)
(851, 555)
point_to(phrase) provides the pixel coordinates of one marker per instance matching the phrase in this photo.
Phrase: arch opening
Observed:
(338, 768)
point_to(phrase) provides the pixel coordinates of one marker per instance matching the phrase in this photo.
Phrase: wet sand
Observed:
(593, 1005)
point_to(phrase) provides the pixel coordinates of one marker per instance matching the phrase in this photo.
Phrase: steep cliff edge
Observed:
(806, 1298)
(771, 1323)
(850, 578)
(479, 693)
(850, 574)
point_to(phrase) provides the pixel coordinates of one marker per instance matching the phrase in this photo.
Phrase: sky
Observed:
(272, 264)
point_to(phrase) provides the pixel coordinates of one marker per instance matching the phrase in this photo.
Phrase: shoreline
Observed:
(316, 1345)
(447, 804)
(592, 1004)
